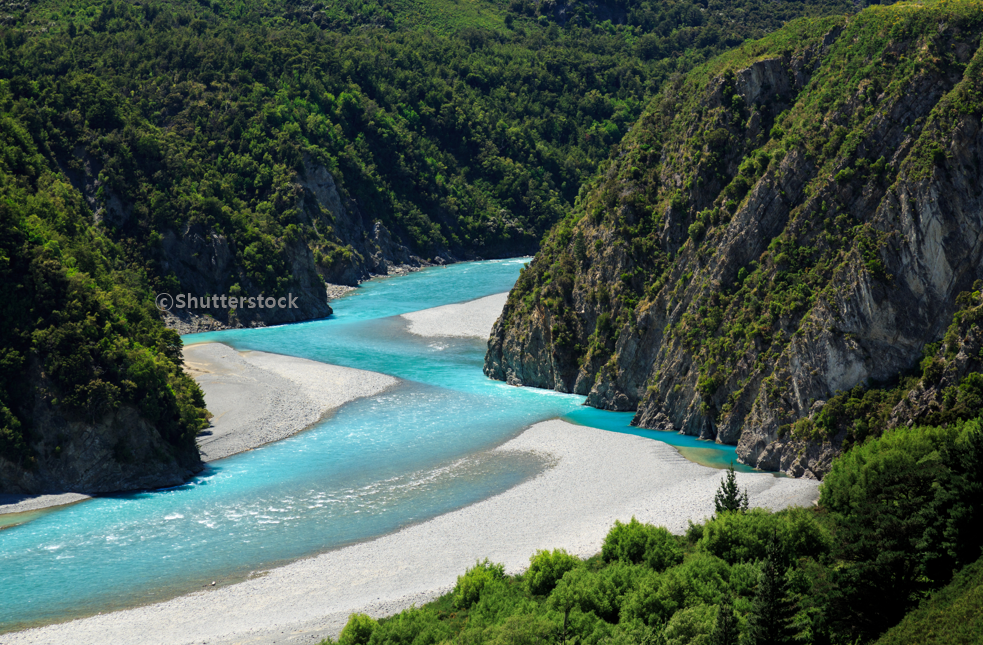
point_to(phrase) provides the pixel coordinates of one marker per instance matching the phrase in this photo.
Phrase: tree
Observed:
(725, 628)
(729, 497)
(773, 611)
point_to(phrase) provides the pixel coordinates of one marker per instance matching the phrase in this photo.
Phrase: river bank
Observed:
(257, 398)
(596, 478)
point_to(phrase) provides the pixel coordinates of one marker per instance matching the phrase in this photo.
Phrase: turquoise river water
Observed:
(375, 465)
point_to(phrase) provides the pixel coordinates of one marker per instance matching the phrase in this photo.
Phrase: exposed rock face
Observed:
(205, 263)
(766, 237)
(334, 243)
(369, 248)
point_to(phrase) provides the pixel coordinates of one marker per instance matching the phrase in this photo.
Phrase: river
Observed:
(375, 465)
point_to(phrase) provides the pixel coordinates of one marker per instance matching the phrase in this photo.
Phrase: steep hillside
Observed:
(952, 616)
(793, 219)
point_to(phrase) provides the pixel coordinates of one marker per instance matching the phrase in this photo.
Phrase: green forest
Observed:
(898, 519)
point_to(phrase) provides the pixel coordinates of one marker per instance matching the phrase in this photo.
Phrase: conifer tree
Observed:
(725, 629)
(729, 497)
(773, 611)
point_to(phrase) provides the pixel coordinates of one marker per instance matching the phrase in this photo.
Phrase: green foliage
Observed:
(953, 615)
(904, 516)
(701, 579)
(546, 568)
(358, 630)
(636, 542)
(470, 586)
(773, 611)
(456, 131)
(728, 497)
(745, 537)
(690, 626)
(80, 330)
(725, 627)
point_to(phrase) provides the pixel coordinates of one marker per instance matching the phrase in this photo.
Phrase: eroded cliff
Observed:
(785, 223)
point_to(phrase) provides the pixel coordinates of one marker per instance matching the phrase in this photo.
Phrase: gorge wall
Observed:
(784, 223)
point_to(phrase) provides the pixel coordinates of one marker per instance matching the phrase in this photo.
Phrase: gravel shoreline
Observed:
(257, 398)
(11, 503)
(472, 319)
(596, 478)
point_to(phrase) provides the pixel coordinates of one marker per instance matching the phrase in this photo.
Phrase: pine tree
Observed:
(725, 628)
(773, 611)
(729, 497)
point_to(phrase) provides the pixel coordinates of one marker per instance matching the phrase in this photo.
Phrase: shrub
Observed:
(413, 626)
(358, 630)
(587, 591)
(744, 537)
(636, 542)
(696, 231)
(702, 579)
(522, 630)
(473, 582)
(546, 568)
(690, 625)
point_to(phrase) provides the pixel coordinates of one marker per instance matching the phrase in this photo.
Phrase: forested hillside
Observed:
(249, 148)
(778, 245)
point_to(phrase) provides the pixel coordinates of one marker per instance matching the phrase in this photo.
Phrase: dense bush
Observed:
(951, 616)
(474, 581)
(80, 331)
(745, 537)
(358, 630)
(636, 542)
(905, 514)
(546, 568)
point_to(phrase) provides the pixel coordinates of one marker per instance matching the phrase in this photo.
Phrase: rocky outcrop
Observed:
(362, 248)
(770, 234)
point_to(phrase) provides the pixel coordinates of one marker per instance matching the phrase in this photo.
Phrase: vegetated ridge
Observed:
(794, 219)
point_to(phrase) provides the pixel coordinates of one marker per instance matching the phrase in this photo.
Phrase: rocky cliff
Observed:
(114, 450)
(785, 223)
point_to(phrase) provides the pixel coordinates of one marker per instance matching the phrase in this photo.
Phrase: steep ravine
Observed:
(791, 220)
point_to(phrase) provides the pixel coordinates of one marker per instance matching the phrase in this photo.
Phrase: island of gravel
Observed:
(595, 478)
